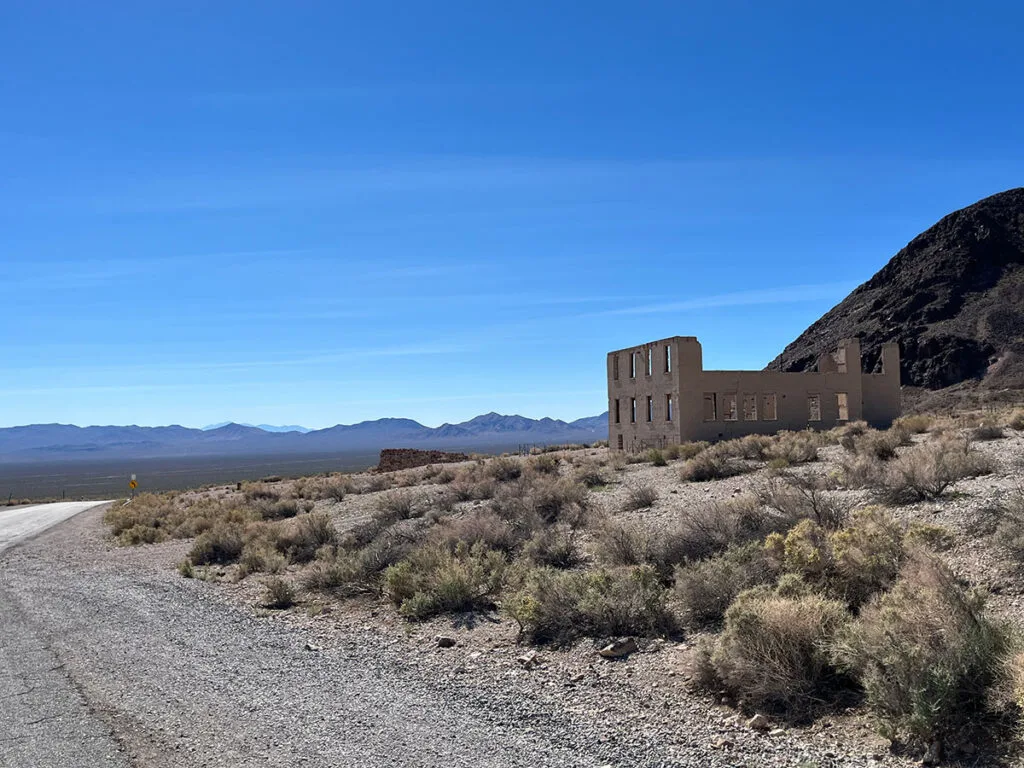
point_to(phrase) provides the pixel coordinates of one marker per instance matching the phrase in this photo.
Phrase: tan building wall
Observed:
(659, 394)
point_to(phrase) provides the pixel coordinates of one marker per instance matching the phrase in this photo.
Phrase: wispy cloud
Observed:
(786, 295)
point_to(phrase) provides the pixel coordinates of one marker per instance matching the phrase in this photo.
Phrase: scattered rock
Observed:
(777, 732)
(310, 647)
(529, 660)
(933, 755)
(444, 641)
(759, 722)
(619, 649)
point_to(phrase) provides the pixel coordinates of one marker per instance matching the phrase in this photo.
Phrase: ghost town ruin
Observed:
(659, 394)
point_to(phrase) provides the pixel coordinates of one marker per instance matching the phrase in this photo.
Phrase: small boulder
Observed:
(444, 641)
(619, 649)
(759, 723)
(529, 660)
(933, 755)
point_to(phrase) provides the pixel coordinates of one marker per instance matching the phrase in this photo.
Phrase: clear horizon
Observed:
(329, 215)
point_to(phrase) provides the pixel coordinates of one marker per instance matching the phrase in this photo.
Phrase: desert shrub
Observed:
(933, 537)
(259, 491)
(853, 429)
(926, 471)
(219, 545)
(479, 527)
(925, 653)
(705, 589)
(988, 431)
(545, 464)
(773, 651)
(795, 497)
(851, 564)
(141, 534)
(792, 448)
(260, 557)
(708, 465)
(590, 474)
(504, 469)
(185, 569)
(1016, 420)
(866, 556)
(299, 539)
(401, 505)
(559, 500)
(445, 476)
(279, 593)
(656, 457)
(557, 607)
(687, 451)
(1009, 532)
(434, 580)
(332, 488)
(640, 496)
(556, 547)
(861, 470)
(278, 509)
(752, 447)
(877, 445)
(915, 424)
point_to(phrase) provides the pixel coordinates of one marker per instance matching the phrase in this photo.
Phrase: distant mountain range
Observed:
(491, 431)
(264, 427)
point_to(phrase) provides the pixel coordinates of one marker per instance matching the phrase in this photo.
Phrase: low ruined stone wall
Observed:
(407, 458)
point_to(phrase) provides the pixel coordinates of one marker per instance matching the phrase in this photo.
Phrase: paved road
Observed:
(20, 523)
(108, 658)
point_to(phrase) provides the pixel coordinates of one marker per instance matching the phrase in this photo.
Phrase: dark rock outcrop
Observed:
(953, 299)
(407, 458)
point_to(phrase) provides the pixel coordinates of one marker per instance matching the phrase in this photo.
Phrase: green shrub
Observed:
(559, 606)
(926, 654)
(705, 589)
(279, 593)
(933, 537)
(657, 458)
(220, 545)
(773, 652)
(434, 580)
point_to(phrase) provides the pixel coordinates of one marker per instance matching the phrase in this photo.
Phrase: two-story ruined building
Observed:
(659, 394)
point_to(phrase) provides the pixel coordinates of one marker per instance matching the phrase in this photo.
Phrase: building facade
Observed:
(659, 394)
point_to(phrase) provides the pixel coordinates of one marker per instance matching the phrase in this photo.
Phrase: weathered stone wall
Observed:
(407, 458)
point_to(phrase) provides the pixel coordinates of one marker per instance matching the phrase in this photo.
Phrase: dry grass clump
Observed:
(504, 469)
(557, 607)
(545, 464)
(926, 654)
(539, 500)
(926, 471)
(751, 447)
(773, 654)
(640, 496)
(219, 545)
(435, 580)
(705, 589)
(402, 505)
(329, 488)
(1016, 420)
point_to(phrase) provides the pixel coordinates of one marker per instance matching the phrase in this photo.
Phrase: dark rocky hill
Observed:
(953, 299)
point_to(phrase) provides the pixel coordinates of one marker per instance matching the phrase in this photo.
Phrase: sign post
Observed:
(133, 485)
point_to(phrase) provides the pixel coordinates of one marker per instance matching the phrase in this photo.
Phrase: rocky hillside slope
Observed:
(953, 298)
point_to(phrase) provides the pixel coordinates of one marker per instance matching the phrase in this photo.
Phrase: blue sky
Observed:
(326, 212)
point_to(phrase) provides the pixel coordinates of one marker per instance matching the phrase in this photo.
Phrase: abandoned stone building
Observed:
(659, 394)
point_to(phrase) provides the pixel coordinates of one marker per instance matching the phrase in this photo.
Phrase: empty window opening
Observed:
(650, 360)
(750, 407)
(840, 357)
(814, 407)
(632, 409)
(615, 367)
(710, 406)
(843, 402)
(668, 407)
(650, 408)
(620, 442)
(632, 365)
(668, 358)
(769, 407)
(729, 410)
(616, 410)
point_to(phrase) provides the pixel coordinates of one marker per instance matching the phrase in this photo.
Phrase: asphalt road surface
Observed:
(20, 523)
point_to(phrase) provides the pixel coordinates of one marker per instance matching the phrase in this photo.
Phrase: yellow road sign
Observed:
(132, 484)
